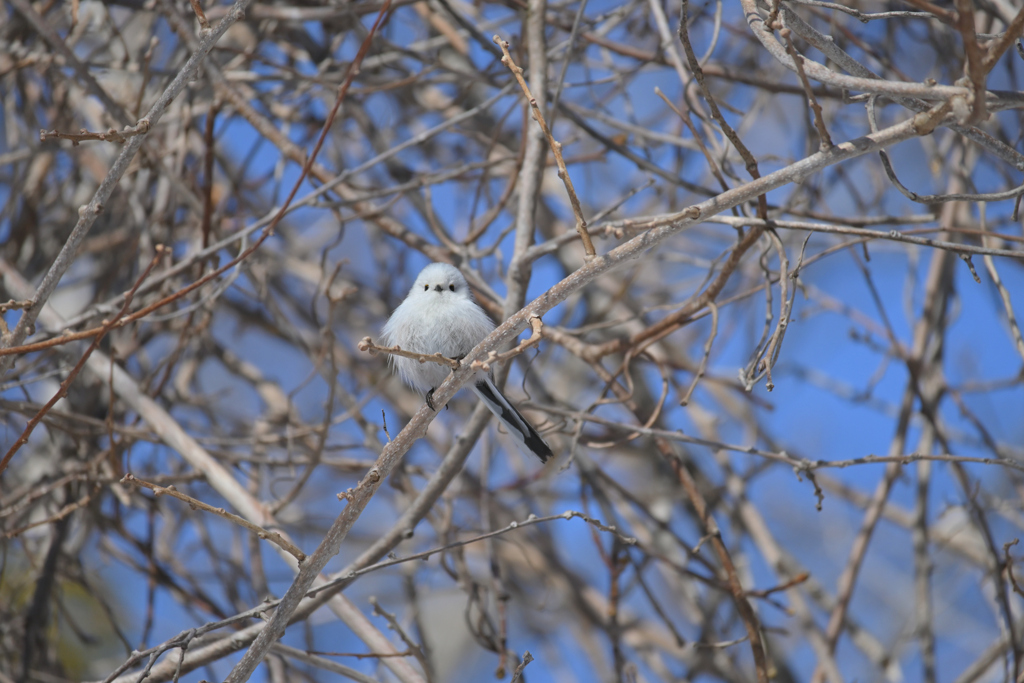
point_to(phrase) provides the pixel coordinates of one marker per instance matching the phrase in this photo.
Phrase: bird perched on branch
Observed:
(439, 315)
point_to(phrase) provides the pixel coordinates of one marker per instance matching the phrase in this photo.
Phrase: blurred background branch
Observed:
(783, 397)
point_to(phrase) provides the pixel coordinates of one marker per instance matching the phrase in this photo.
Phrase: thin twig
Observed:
(537, 326)
(518, 673)
(824, 139)
(112, 135)
(556, 149)
(262, 533)
(204, 23)
(702, 368)
(414, 648)
(366, 344)
(698, 75)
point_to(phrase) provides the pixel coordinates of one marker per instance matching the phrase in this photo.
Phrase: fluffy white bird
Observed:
(439, 315)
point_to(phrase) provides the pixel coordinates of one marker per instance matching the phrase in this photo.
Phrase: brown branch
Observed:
(204, 23)
(997, 49)
(1008, 563)
(943, 15)
(975, 68)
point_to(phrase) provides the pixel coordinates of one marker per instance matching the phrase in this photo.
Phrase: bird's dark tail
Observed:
(523, 433)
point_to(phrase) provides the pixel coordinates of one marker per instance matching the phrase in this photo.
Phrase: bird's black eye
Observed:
(451, 287)
(426, 288)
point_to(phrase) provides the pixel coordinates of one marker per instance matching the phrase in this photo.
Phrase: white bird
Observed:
(439, 315)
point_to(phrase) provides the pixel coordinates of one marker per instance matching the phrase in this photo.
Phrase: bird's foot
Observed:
(430, 401)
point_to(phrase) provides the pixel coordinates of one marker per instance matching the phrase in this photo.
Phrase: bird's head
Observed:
(440, 281)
